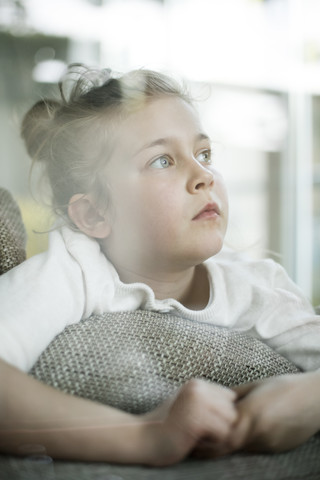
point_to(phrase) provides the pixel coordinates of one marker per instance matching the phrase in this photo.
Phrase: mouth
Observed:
(210, 211)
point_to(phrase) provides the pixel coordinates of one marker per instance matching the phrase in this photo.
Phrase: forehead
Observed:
(158, 118)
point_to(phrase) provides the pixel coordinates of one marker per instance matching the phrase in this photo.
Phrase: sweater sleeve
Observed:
(258, 297)
(38, 299)
(289, 323)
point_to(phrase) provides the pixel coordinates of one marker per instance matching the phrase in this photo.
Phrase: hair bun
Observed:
(35, 127)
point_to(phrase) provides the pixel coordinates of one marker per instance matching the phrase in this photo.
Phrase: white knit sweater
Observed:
(74, 279)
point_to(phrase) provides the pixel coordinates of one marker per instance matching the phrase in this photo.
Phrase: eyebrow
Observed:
(168, 140)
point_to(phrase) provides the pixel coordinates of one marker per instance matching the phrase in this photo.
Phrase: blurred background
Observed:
(254, 65)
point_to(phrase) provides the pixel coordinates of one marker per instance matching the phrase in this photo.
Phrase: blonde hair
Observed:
(71, 136)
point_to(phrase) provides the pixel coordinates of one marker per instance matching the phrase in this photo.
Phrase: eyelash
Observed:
(207, 161)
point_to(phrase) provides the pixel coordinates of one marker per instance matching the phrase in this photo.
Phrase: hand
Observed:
(198, 418)
(277, 414)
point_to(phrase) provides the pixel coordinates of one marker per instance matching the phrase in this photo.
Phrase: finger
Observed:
(240, 435)
(223, 409)
(222, 402)
(219, 391)
(212, 399)
(216, 430)
(243, 390)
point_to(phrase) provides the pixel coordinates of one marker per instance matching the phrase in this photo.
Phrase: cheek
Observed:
(139, 208)
(157, 212)
(221, 190)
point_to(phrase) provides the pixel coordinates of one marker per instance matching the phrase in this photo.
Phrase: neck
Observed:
(190, 287)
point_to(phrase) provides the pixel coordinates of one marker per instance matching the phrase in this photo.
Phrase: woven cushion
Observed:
(12, 233)
(134, 360)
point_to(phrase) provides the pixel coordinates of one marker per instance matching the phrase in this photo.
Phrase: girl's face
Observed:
(169, 206)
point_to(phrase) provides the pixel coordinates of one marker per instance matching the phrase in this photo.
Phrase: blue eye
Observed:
(205, 157)
(161, 162)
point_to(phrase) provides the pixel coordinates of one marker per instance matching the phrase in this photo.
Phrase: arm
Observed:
(277, 414)
(289, 324)
(77, 429)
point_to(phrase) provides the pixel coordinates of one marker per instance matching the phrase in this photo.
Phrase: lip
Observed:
(211, 210)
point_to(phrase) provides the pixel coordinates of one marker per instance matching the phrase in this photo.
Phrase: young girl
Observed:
(143, 211)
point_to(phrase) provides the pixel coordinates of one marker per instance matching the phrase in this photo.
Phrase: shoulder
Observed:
(233, 265)
(72, 239)
(65, 241)
(258, 276)
(67, 250)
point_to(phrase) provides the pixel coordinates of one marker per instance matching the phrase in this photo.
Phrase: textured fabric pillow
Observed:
(134, 360)
(12, 233)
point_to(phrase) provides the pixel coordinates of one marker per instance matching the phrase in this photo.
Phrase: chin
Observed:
(198, 257)
(210, 248)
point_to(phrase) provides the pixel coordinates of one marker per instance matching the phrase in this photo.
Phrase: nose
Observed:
(200, 177)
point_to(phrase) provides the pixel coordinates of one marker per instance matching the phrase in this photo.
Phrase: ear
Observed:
(87, 217)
